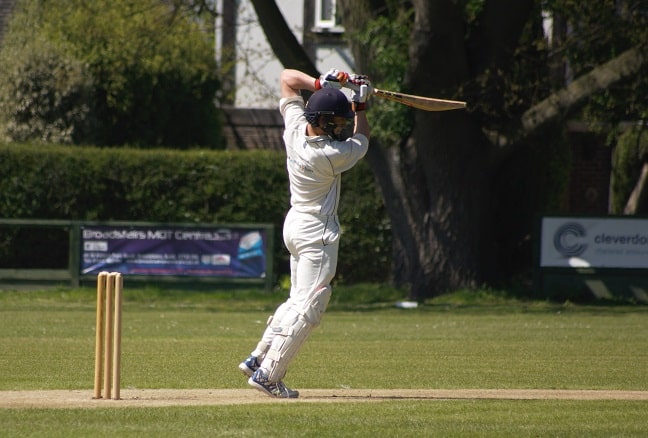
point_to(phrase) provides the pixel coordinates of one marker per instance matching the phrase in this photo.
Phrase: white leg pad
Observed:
(269, 333)
(292, 331)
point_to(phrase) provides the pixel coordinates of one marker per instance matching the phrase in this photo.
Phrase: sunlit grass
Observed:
(195, 339)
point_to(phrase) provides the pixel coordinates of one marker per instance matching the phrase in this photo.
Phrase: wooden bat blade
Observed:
(420, 102)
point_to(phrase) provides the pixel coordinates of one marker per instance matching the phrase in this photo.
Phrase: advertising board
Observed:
(594, 242)
(235, 252)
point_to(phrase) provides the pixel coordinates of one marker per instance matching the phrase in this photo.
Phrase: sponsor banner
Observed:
(594, 242)
(178, 251)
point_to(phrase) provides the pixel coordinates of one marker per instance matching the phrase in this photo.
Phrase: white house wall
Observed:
(257, 68)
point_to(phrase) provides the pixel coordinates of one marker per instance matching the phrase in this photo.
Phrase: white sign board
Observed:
(572, 242)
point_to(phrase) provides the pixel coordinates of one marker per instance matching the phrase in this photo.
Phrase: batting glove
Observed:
(362, 89)
(355, 81)
(334, 78)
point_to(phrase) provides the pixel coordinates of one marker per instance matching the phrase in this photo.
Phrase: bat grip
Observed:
(363, 93)
(352, 86)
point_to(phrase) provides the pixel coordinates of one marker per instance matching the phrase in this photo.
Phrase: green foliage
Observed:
(150, 71)
(385, 43)
(585, 35)
(502, 89)
(365, 245)
(598, 32)
(630, 153)
(45, 95)
(89, 183)
(472, 10)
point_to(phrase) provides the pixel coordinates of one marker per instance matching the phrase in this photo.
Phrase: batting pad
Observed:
(292, 331)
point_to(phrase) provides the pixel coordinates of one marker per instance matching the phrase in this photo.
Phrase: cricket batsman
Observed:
(317, 153)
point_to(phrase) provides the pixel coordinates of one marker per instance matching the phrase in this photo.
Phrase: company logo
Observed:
(568, 239)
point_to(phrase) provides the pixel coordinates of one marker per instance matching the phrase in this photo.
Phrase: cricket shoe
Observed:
(259, 380)
(249, 366)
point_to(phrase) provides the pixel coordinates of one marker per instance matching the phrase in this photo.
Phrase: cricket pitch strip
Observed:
(66, 399)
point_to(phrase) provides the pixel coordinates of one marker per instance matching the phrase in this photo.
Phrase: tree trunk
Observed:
(455, 204)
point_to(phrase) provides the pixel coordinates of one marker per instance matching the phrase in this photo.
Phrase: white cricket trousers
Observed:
(313, 242)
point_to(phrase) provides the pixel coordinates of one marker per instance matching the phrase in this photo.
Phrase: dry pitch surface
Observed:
(215, 397)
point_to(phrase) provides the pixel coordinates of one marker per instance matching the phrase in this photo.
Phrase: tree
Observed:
(108, 72)
(458, 218)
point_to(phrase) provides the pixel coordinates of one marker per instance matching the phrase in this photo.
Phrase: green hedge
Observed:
(108, 72)
(89, 183)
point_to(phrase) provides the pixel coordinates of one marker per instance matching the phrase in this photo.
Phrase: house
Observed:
(250, 70)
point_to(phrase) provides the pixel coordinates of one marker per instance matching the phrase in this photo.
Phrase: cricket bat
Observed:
(420, 102)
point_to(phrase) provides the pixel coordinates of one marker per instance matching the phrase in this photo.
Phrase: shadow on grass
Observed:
(356, 298)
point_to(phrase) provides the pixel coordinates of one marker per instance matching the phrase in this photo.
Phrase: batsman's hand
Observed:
(355, 81)
(333, 78)
(362, 90)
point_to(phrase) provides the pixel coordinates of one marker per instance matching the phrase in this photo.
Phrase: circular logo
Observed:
(568, 239)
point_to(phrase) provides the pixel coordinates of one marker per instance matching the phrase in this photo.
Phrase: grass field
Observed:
(195, 340)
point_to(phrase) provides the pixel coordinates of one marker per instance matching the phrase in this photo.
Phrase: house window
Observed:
(326, 16)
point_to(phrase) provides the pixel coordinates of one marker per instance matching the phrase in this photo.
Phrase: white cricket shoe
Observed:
(259, 380)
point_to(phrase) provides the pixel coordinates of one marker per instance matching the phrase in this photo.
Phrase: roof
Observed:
(253, 128)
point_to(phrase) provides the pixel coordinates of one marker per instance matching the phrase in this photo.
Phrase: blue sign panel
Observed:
(174, 251)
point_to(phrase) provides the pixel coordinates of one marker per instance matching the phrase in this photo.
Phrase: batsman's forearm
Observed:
(362, 124)
(292, 81)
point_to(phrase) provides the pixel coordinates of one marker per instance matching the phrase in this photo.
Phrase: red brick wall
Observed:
(589, 183)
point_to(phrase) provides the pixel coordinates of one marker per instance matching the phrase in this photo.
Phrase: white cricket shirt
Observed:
(315, 164)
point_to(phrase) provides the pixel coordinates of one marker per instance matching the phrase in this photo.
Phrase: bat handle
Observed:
(363, 93)
(351, 86)
(362, 90)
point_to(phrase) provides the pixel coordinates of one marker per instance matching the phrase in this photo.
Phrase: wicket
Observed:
(108, 335)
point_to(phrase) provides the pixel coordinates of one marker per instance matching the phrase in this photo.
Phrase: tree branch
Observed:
(637, 201)
(283, 42)
(624, 65)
